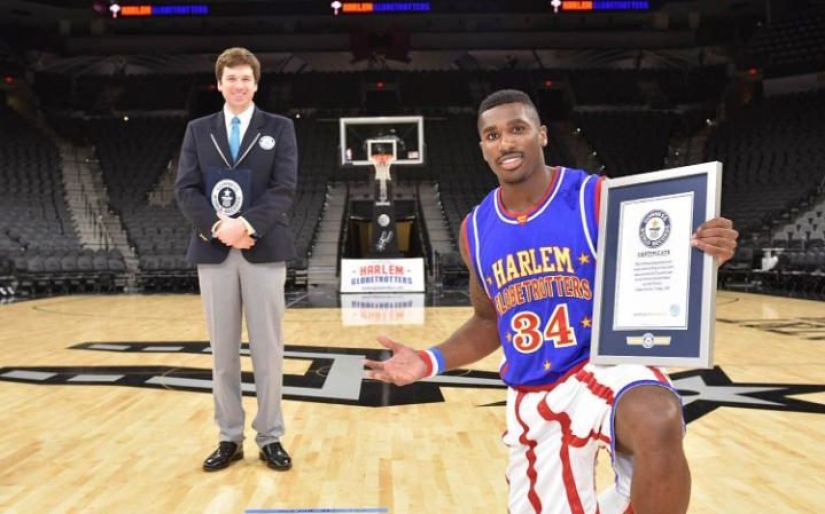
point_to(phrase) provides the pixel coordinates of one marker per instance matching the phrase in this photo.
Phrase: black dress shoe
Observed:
(276, 457)
(226, 453)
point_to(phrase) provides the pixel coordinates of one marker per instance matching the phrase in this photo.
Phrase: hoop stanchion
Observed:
(384, 240)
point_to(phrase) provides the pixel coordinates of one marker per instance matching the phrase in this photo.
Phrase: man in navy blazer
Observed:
(235, 184)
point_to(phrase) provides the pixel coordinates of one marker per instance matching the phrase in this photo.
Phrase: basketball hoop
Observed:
(382, 162)
(382, 159)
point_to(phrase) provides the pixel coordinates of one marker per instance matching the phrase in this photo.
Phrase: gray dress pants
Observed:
(231, 290)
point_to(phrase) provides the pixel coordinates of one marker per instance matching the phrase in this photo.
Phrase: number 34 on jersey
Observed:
(530, 331)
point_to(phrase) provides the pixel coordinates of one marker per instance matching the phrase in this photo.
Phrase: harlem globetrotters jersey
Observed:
(538, 269)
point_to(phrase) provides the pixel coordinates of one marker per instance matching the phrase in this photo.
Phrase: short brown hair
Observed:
(237, 56)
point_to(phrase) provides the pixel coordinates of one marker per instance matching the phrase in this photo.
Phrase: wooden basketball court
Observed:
(105, 410)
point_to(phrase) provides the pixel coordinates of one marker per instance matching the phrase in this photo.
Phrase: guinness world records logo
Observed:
(227, 197)
(654, 228)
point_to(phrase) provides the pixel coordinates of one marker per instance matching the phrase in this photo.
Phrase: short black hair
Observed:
(507, 96)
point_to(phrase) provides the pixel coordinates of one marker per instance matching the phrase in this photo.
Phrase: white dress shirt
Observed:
(245, 117)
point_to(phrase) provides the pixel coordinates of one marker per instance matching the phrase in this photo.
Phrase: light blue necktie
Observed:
(235, 138)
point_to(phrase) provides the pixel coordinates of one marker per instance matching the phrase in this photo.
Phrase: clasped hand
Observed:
(232, 232)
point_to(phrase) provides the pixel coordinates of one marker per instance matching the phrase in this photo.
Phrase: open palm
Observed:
(404, 367)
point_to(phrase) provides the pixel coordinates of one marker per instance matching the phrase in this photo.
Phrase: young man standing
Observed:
(235, 184)
(560, 408)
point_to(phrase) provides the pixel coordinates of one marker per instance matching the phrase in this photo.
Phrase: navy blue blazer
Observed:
(274, 175)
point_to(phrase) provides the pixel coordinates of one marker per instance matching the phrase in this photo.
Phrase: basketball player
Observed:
(530, 247)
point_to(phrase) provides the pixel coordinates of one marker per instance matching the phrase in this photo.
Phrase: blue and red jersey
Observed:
(538, 269)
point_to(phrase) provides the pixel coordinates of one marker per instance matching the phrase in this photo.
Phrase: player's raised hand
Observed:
(404, 367)
(716, 237)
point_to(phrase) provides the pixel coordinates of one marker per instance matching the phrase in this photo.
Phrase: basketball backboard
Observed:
(400, 136)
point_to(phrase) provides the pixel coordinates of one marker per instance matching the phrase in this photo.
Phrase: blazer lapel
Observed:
(253, 130)
(251, 135)
(219, 131)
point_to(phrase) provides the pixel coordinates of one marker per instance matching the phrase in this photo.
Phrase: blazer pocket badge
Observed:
(267, 142)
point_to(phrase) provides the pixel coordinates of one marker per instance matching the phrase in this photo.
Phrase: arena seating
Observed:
(606, 87)
(38, 243)
(791, 44)
(771, 154)
(627, 142)
(768, 151)
(772, 189)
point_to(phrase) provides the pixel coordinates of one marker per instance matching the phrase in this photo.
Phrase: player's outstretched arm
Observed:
(716, 237)
(474, 340)
(478, 336)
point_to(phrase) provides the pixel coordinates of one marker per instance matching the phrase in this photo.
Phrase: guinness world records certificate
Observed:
(655, 294)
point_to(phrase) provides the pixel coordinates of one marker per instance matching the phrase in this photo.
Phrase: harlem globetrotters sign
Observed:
(382, 275)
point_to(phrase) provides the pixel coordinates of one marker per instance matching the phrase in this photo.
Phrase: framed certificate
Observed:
(655, 295)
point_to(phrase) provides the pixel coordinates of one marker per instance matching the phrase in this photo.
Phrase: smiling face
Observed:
(511, 141)
(238, 86)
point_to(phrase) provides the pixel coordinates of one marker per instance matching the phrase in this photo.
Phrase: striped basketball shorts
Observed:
(553, 436)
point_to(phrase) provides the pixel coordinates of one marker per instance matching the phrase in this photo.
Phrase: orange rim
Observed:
(381, 159)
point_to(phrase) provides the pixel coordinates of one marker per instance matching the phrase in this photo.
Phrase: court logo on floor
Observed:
(810, 328)
(336, 375)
